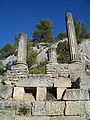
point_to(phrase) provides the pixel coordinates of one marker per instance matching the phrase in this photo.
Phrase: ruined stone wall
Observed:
(44, 110)
(60, 94)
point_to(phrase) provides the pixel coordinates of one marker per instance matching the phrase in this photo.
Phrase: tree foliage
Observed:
(8, 50)
(62, 35)
(82, 31)
(43, 30)
(63, 52)
(31, 57)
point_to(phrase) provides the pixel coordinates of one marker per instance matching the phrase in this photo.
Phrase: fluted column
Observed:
(73, 48)
(22, 48)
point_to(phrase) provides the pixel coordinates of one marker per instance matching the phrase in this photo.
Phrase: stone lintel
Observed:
(36, 82)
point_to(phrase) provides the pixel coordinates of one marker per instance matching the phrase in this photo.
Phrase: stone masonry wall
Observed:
(45, 110)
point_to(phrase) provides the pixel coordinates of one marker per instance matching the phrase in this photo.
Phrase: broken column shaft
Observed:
(52, 54)
(72, 38)
(22, 48)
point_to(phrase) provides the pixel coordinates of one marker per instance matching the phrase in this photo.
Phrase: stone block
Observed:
(60, 92)
(41, 108)
(76, 94)
(36, 82)
(62, 82)
(41, 93)
(7, 115)
(75, 70)
(87, 106)
(5, 91)
(18, 93)
(14, 105)
(67, 118)
(31, 118)
(75, 108)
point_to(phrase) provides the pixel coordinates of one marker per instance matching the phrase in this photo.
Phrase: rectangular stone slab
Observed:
(75, 108)
(67, 118)
(5, 91)
(36, 82)
(18, 93)
(87, 106)
(62, 82)
(41, 108)
(6, 115)
(76, 94)
(31, 118)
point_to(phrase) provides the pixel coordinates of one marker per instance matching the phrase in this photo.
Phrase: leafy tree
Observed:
(8, 49)
(63, 52)
(31, 57)
(62, 35)
(82, 31)
(43, 31)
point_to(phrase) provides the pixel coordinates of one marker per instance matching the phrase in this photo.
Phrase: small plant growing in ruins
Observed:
(23, 110)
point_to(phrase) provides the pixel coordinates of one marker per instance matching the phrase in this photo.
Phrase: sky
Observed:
(22, 16)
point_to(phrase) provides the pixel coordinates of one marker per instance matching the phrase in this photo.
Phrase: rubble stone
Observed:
(5, 91)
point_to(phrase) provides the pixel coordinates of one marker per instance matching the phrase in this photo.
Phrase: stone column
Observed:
(22, 48)
(72, 38)
(52, 54)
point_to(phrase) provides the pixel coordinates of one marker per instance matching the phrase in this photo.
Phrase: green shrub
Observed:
(23, 110)
(40, 69)
(37, 71)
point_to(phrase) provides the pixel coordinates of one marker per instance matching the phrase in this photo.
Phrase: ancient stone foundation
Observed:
(60, 94)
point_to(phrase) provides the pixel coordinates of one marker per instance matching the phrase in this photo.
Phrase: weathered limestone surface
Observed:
(17, 72)
(14, 105)
(57, 70)
(42, 108)
(76, 94)
(44, 82)
(41, 93)
(67, 118)
(7, 115)
(75, 108)
(52, 54)
(36, 82)
(60, 92)
(22, 48)
(87, 106)
(62, 82)
(72, 37)
(18, 93)
(31, 118)
(76, 70)
(5, 91)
